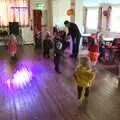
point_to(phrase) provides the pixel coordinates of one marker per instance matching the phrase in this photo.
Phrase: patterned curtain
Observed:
(85, 19)
(100, 19)
(14, 11)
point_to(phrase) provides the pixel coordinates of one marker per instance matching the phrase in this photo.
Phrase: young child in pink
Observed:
(12, 46)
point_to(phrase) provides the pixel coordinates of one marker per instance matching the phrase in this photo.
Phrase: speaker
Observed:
(14, 28)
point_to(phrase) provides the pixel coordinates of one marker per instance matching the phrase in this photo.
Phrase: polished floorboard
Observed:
(51, 96)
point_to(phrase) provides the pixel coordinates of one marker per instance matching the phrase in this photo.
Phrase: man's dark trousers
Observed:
(75, 46)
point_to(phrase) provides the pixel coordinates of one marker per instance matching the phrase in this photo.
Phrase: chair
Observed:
(116, 49)
(109, 52)
(117, 42)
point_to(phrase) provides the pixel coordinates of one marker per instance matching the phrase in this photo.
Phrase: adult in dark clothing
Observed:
(76, 35)
(57, 53)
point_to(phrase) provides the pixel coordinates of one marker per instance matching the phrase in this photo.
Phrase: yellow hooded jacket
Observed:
(84, 76)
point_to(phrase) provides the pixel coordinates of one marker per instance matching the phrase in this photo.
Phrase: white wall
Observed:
(33, 6)
(27, 35)
(79, 14)
(60, 8)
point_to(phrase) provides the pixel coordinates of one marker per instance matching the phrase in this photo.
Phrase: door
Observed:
(37, 14)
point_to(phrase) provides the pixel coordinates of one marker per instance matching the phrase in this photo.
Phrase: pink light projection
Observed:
(20, 78)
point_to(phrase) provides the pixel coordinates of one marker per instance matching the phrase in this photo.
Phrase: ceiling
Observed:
(97, 2)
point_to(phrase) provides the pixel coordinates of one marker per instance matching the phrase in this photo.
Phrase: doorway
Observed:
(37, 14)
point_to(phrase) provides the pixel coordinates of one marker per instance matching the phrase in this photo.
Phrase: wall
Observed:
(27, 36)
(33, 6)
(79, 14)
(60, 8)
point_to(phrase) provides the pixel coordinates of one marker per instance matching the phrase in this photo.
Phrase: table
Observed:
(86, 34)
(108, 40)
(85, 38)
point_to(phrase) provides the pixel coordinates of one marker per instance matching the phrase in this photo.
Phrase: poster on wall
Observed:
(44, 18)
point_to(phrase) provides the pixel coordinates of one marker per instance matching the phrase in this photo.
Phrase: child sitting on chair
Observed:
(84, 77)
(102, 53)
(12, 46)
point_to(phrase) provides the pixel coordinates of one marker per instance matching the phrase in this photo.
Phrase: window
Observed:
(115, 19)
(92, 18)
(13, 11)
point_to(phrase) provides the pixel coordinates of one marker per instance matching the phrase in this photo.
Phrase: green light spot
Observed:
(40, 6)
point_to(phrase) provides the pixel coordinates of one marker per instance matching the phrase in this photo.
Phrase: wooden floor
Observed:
(53, 96)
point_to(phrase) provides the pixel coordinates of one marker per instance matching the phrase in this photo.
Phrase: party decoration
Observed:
(70, 12)
(107, 12)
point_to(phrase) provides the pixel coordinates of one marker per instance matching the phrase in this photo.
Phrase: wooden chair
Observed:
(116, 49)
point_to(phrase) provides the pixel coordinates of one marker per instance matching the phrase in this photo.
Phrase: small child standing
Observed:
(12, 46)
(84, 77)
(47, 45)
(93, 53)
(63, 40)
(102, 53)
(57, 52)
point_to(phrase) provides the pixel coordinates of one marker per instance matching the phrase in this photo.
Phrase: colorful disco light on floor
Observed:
(20, 78)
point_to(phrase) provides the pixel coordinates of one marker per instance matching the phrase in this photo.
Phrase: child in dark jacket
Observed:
(57, 53)
(47, 45)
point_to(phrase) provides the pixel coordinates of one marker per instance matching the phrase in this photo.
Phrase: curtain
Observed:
(14, 11)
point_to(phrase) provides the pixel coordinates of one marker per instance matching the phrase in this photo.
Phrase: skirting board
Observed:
(19, 44)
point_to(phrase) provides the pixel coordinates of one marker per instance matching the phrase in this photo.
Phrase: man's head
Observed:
(66, 23)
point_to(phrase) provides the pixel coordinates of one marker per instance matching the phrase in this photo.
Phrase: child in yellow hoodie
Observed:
(84, 76)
